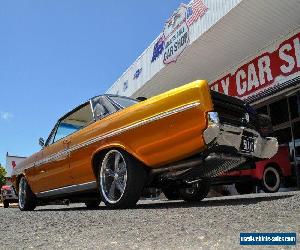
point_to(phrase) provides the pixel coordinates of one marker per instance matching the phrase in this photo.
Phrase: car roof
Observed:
(88, 101)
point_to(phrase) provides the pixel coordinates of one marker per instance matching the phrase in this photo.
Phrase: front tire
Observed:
(196, 192)
(171, 193)
(121, 179)
(27, 200)
(271, 180)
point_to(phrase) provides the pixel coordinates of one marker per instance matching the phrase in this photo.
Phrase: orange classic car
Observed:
(112, 148)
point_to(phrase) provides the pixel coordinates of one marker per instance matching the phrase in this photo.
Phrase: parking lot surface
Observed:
(160, 224)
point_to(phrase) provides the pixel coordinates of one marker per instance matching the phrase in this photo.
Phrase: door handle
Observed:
(66, 141)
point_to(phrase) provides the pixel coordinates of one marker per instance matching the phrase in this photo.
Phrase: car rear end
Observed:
(232, 134)
(236, 125)
(235, 134)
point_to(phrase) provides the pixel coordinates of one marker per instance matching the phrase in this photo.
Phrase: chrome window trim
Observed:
(109, 97)
(114, 102)
(91, 106)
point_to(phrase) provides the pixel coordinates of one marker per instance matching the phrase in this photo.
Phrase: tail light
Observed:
(213, 118)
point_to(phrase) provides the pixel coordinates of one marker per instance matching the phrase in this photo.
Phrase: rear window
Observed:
(123, 101)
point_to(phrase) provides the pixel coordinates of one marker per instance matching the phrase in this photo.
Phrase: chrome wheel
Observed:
(113, 176)
(26, 198)
(22, 193)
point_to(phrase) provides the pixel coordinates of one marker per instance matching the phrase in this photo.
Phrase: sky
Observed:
(56, 54)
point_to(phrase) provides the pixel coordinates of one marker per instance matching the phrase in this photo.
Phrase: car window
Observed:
(74, 121)
(65, 129)
(102, 107)
(123, 101)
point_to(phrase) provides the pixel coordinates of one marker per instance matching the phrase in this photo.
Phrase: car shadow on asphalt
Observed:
(165, 204)
(225, 201)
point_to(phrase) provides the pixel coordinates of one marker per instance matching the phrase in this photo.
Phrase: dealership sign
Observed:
(175, 37)
(263, 72)
(176, 34)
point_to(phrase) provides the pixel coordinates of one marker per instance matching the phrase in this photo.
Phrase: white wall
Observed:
(216, 10)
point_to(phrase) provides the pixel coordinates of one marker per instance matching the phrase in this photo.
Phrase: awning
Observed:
(247, 28)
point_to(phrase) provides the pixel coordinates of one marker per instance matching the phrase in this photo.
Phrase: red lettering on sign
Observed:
(261, 72)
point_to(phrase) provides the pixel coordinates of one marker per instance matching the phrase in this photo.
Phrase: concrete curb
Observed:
(13, 205)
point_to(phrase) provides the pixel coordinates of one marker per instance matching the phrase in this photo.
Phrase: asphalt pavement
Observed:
(214, 223)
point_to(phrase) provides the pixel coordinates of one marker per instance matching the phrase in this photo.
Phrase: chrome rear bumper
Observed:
(227, 135)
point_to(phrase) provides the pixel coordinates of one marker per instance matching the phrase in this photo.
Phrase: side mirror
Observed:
(41, 142)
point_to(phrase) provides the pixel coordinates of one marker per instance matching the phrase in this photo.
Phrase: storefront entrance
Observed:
(284, 111)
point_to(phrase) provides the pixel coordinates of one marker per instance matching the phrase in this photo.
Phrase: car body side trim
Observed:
(117, 132)
(68, 189)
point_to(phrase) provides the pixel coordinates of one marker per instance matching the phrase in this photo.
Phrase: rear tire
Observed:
(244, 187)
(196, 192)
(27, 200)
(171, 193)
(271, 180)
(5, 204)
(121, 179)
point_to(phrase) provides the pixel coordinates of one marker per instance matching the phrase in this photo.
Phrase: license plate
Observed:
(247, 144)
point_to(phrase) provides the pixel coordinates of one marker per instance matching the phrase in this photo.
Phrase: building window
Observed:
(284, 135)
(279, 112)
(296, 128)
(294, 106)
(263, 110)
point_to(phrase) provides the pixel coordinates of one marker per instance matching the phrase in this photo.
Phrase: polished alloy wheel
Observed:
(26, 199)
(113, 176)
(22, 193)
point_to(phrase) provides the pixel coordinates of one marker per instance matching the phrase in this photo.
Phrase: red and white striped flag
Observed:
(195, 10)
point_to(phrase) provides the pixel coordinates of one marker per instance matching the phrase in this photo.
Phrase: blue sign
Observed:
(158, 48)
(125, 85)
(189, 12)
(137, 73)
(268, 239)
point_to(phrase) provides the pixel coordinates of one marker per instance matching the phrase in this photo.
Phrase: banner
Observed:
(175, 37)
(263, 72)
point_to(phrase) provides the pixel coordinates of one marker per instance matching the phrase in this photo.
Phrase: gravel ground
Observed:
(212, 223)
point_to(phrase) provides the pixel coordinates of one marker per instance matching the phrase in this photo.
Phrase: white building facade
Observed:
(244, 48)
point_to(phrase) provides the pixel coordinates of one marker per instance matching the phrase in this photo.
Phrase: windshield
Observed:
(123, 101)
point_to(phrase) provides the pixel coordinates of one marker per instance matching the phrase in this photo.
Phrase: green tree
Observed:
(2, 176)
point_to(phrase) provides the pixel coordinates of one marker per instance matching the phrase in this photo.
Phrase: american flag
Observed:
(194, 11)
